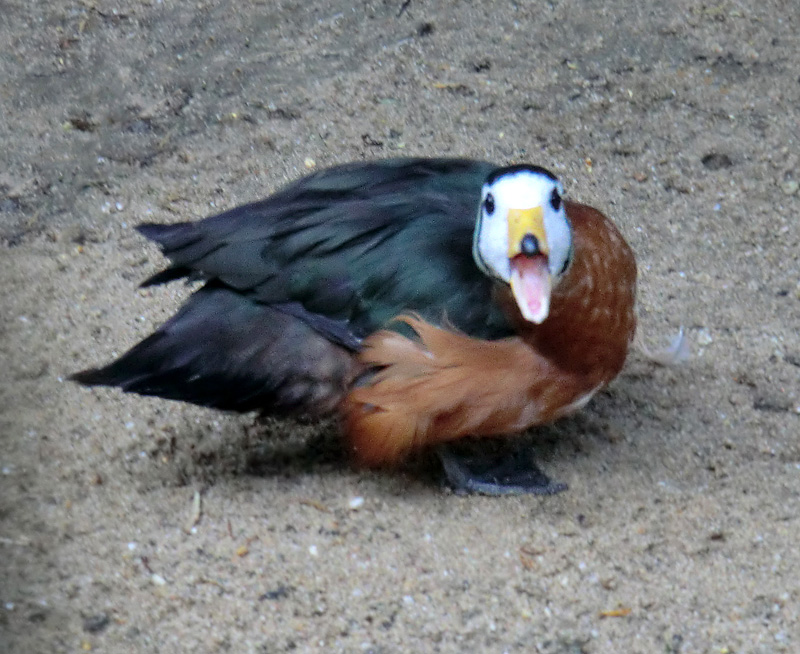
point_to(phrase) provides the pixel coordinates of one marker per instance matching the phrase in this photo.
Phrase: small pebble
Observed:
(704, 337)
(310, 163)
(356, 503)
(96, 623)
(790, 187)
(313, 551)
(158, 580)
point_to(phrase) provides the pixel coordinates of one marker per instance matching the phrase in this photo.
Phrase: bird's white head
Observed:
(522, 236)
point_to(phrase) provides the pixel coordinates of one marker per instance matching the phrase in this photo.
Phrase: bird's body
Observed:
(367, 290)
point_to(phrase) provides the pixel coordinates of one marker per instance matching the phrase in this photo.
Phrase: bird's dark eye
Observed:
(488, 204)
(567, 261)
(555, 200)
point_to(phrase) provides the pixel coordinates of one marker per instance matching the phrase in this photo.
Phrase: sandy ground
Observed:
(139, 525)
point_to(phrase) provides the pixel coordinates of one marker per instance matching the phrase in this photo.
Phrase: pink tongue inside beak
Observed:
(530, 283)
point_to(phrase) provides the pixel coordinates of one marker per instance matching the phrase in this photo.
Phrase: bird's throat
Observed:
(531, 285)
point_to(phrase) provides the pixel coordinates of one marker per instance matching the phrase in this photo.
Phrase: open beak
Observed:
(531, 282)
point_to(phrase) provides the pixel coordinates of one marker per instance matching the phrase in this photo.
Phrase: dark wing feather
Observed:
(224, 351)
(358, 243)
(294, 282)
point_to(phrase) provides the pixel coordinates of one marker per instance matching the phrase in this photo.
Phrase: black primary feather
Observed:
(223, 351)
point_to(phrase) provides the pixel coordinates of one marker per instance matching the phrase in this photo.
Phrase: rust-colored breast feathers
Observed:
(445, 385)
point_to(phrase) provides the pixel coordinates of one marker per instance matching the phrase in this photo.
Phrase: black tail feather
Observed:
(170, 237)
(167, 275)
(222, 350)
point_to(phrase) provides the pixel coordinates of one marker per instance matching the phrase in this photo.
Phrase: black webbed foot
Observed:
(511, 473)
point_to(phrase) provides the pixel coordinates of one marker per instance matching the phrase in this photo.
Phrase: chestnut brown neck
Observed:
(592, 317)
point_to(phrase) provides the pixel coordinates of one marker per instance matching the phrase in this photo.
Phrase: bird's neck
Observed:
(592, 317)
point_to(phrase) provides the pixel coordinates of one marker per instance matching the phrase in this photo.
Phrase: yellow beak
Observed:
(530, 281)
(522, 222)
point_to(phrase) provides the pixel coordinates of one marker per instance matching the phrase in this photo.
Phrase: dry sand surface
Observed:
(140, 525)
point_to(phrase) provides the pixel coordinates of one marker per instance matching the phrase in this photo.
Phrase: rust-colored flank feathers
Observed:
(444, 385)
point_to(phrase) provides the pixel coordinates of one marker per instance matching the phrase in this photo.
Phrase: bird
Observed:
(421, 301)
